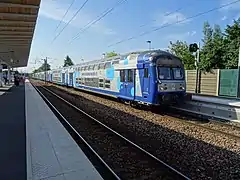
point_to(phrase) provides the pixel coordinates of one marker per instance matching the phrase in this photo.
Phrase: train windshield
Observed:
(168, 73)
(177, 73)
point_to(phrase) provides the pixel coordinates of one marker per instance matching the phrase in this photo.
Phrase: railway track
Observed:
(120, 158)
(229, 129)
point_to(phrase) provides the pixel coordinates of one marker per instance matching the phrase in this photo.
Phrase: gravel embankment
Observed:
(195, 151)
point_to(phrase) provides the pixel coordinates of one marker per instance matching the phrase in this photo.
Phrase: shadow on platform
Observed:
(13, 134)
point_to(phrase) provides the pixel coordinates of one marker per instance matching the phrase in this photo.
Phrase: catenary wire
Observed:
(69, 7)
(91, 23)
(76, 13)
(167, 25)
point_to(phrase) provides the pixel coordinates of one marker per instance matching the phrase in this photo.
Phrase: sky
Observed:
(128, 19)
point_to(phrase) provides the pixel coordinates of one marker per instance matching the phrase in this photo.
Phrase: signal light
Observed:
(193, 47)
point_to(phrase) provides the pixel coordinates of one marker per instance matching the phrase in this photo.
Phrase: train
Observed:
(151, 78)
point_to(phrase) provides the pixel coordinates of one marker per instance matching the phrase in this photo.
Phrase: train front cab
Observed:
(171, 85)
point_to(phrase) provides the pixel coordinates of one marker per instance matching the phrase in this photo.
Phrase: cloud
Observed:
(56, 9)
(192, 33)
(232, 7)
(180, 36)
(163, 19)
(224, 18)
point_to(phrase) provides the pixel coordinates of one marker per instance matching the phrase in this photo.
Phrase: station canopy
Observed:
(17, 24)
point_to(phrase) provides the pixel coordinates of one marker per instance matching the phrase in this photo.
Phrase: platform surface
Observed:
(51, 151)
(12, 134)
(218, 100)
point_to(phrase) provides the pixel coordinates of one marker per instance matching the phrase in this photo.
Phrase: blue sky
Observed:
(123, 22)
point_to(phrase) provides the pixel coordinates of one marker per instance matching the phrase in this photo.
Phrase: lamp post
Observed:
(149, 44)
(103, 55)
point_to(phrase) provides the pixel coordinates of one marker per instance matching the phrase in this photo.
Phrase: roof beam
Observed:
(15, 45)
(17, 22)
(18, 15)
(19, 38)
(15, 33)
(2, 4)
(14, 36)
(15, 27)
(14, 42)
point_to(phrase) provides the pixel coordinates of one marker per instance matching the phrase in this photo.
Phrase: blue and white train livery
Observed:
(148, 77)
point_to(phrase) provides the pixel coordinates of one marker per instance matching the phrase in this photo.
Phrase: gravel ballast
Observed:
(194, 151)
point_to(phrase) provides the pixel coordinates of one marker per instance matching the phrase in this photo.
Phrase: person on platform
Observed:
(5, 80)
(16, 80)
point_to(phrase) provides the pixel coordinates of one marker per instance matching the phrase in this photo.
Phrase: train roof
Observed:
(141, 55)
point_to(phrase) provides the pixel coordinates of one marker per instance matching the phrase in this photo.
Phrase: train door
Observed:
(146, 80)
(63, 78)
(70, 79)
(66, 80)
(51, 77)
(128, 86)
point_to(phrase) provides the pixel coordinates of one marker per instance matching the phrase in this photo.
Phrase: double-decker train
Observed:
(148, 77)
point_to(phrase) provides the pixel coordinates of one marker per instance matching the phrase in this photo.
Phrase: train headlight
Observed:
(182, 88)
(162, 88)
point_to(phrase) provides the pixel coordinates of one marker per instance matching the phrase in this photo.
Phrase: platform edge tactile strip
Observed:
(51, 151)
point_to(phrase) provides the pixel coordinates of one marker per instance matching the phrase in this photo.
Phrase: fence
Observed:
(219, 82)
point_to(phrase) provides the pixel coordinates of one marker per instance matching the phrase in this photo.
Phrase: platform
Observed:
(13, 134)
(217, 100)
(51, 151)
(34, 144)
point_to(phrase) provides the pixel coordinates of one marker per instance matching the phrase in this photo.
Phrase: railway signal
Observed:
(193, 47)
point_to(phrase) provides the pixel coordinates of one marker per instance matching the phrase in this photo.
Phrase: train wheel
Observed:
(133, 104)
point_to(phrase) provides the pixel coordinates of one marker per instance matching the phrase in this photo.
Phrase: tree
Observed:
(181, 50)
(68, 61)
(111, 54)
(35, 71)
(206, 55)
(43, 67)
(218, 48)
(232, 44)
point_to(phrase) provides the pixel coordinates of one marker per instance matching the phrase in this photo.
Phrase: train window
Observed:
(177, 73)
(107, 65)
(146, 73)
(91, 67)
(107, 85)
(85, 68)
(122, 76)
(164, 73)
(107, 81)
(101, 66)
(95, 67)
(115, 62)
(130, 75)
